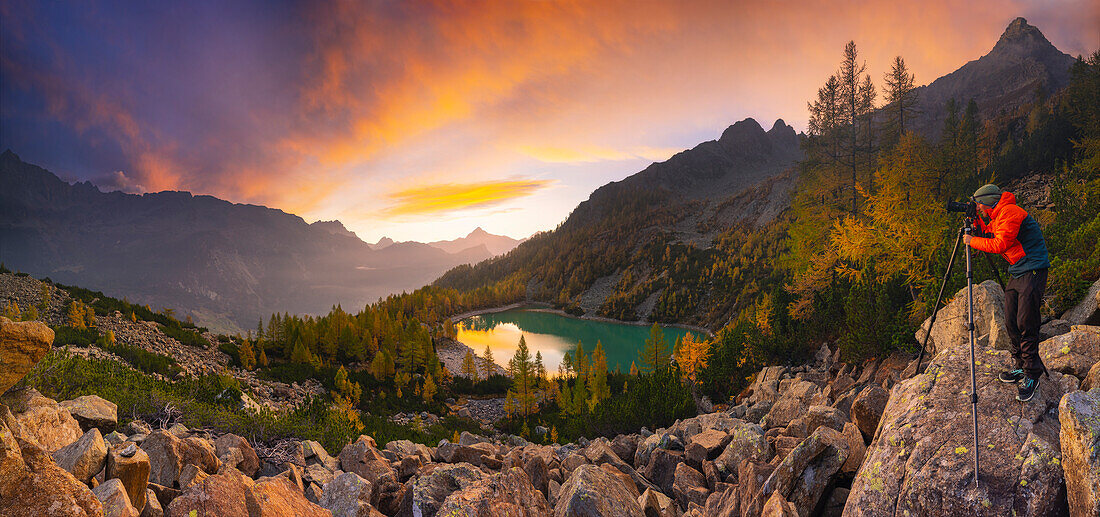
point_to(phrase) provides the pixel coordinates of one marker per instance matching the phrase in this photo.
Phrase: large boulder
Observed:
(989, 320)
(31, 484)
(921, 461)
(130, 465)
(747, 442)
(115, 501)
(236, 452)
(425, 494)
(92, 411)
(22, 345)
(509, 493)
(803, 475)
(793, 403)
(867, 409)
(43, 419)
(706, 446)
(83, 458)
(278, 497)
(168, 455)
(1079, 413)
(361, 457)
(1087, 312)
(348, 495)
(1073, 353)
(592, 492)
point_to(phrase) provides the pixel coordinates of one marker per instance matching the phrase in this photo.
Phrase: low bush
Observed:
(144, 360)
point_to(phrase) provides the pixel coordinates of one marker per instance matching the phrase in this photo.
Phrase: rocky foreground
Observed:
(827, 438)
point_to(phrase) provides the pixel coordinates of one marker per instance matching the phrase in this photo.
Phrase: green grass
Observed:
(64, 376)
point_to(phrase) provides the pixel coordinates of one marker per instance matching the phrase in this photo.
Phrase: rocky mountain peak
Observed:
(1020, 37)
(478, 232)
(742, 129)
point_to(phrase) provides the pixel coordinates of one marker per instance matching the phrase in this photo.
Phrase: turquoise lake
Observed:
(554, 334)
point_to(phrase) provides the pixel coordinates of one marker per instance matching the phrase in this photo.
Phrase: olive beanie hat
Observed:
(988, 195)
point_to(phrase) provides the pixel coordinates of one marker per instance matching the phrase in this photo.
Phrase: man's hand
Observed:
(966, 239)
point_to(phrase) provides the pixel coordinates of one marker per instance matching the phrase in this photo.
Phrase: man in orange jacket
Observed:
(1016, 236)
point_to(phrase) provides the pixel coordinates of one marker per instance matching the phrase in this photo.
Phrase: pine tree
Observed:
(299, 353)
(540, 369)
(900, 99)
(655, 355)
(691, 356)
(487, 361)
(597, 377)
(633, 369)
(429, 389)
(12, 312)
(133, 317)
(44, 303)
(262, 359)
(31, 314)
(469, 366)
(89, 316)
(247, 355)
(523, 377)
(76, 315)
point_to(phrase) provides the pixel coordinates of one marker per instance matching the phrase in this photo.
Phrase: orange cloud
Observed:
(592, 153)
(452, 197)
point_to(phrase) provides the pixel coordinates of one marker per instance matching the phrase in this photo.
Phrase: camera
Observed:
(970, 208)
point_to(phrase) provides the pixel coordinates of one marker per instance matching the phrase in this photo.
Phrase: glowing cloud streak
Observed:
(452, 197)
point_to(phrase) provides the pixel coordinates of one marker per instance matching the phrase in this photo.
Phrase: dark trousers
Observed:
(1023, 297)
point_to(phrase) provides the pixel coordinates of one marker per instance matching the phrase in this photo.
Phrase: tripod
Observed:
(966, 229)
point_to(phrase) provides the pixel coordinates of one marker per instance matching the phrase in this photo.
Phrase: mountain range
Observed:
(225, 264)
(738, 182)
(231, 264)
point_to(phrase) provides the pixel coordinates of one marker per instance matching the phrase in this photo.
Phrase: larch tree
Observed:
(597, 383)
(76, 315)
(655, 356)
(900, 99)
(691, 356)
(487, 361)
(523, 377)
(469, 366)
(247, 355)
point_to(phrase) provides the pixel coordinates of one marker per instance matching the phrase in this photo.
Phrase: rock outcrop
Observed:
(989, 320)
(22, 344)
(1079, 413)
(921, 461)
(1073, 353)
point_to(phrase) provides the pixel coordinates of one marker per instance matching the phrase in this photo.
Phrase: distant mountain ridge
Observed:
(740, 181)
(1022, 62)
(228, 264)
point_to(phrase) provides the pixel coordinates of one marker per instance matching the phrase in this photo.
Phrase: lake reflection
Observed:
(554, 335)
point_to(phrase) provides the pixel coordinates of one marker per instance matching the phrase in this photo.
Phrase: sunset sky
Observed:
(424, 120)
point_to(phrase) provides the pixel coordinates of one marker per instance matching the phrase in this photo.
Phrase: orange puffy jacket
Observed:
(1016, 236)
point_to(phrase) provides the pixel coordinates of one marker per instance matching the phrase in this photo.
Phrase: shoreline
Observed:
(546, 307)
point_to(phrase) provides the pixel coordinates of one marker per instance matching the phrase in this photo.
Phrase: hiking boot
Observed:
(1027, 389)
(1011, 376)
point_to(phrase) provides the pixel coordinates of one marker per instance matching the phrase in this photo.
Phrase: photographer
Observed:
(1016, 236)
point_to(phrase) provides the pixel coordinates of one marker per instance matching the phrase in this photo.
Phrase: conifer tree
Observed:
(597, 377)
(31, 314)
(76, 315)
(247, 355)
(262, 359)
(487, 361)
(633, 369)
(44, 303)
(691, 357)
(11, 311)
(655, 355)
(900, 99)
(299, 353)
(133, 317)
(89, 316)
(429, 389)
(539, 368)
(523, 377)
(469, 366)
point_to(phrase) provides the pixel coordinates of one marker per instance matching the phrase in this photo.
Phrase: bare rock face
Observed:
(921, 461)
(92, 411)
(226, 495)
(115, 501)
(989, 320)
(590, 491)
(43, 419)
(348, 495)
(1087, 312)
(83, 458)
(1079, 413)
(31, 485)
(22, 344)
(1073, 353)
(130, 465)
(1092, 380)
(509, 492)
(867, 409)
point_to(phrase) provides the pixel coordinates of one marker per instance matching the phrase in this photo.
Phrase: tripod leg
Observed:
(939, 298)
(973, 381)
